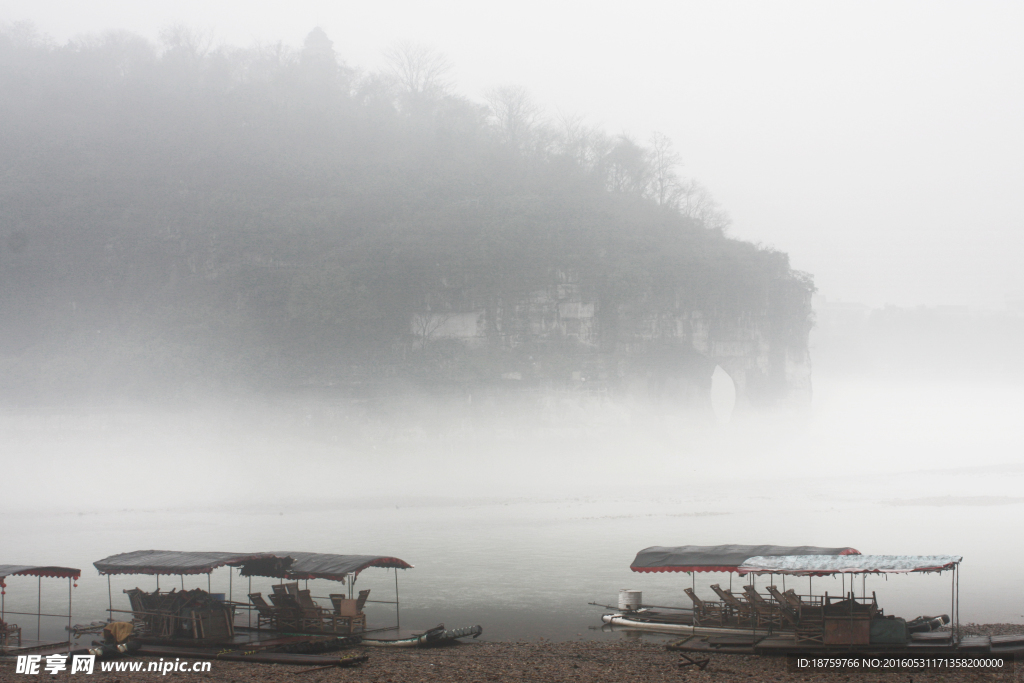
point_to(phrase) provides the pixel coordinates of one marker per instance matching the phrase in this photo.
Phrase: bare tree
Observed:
(696, 202)
(425, 324)
(186, 42)
(419, 70)
(583, 145)
(665, 186)
(264, 61)
(514, 114)
(627, 167)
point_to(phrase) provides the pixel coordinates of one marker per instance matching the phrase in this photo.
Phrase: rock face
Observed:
(559, 336)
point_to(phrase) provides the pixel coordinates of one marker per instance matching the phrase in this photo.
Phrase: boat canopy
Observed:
(178, 562)
(285, 565)
(322, 565)
(719, 558)
(818, 565)
(30, 570)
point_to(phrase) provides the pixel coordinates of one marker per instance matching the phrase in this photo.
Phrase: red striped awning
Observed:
(33, 570)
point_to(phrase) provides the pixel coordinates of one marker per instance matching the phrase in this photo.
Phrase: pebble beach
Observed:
(624, 661)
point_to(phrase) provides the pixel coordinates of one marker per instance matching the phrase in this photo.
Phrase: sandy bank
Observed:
(623, 661)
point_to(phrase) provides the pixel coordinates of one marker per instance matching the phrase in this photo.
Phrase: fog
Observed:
(879, 145)
(157, 394)
(518, 520)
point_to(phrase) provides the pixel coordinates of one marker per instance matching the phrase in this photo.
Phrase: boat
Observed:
(430, 638)
(777, 620)
(12, 636)
(693, 559)
(198, 618)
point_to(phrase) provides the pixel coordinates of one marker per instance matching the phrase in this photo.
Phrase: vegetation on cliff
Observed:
(180, 214)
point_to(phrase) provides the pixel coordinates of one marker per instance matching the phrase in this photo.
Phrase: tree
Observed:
(696, 202)
(514, 115)
(665, 186)
(318, 61)
(627, 168)
(186, 44)
(419, 71)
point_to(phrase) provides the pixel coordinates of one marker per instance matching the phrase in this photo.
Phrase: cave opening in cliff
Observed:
(723, 395)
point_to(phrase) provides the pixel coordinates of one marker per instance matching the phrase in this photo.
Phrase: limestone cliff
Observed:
(559, 336)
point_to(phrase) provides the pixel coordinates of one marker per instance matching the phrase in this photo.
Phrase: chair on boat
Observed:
(765, 613)
(704, 613)
(166, 613)
(789, 611)
(287, 614)
(743, 610)
(8, 632)
(265, 614)
(348, 613)
(313, 615)
(142, 621)
(811, 628)
(793, 598)
(287, 588)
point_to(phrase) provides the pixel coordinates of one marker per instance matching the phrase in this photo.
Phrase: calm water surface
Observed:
(517, 526)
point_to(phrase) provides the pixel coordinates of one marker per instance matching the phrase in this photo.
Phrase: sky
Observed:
(880, 144)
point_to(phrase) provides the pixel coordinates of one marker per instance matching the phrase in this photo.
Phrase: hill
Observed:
(179, 216)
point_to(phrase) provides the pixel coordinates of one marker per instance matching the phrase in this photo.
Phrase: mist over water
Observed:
(516, 516)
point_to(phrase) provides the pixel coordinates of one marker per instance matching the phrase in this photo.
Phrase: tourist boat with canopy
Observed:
(721, 614)
(774, 618)
(197, 617)
(12, 636)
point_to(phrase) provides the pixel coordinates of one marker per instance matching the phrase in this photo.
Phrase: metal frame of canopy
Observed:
(172, 562)
(334, 567)
(72, 574)
(282, 565)
(691, 559)
(817, 565)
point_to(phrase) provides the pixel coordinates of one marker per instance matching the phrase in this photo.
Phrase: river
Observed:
(516, 521)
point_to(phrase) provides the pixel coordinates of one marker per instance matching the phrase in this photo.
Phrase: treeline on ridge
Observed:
(183, 214)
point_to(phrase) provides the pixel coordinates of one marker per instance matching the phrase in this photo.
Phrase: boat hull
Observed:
(650, 623)
(429, 639)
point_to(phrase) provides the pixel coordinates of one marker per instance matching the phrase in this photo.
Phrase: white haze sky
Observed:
(881, 144)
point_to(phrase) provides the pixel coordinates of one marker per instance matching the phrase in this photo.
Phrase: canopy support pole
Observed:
(182, 577)
(39, 609)
(231, 584)
(398, 613)
(249, 611)
(110, 602)
(69, 614)
(953, 602)
(209, 586)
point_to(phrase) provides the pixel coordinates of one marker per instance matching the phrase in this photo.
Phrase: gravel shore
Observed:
(623, 661)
